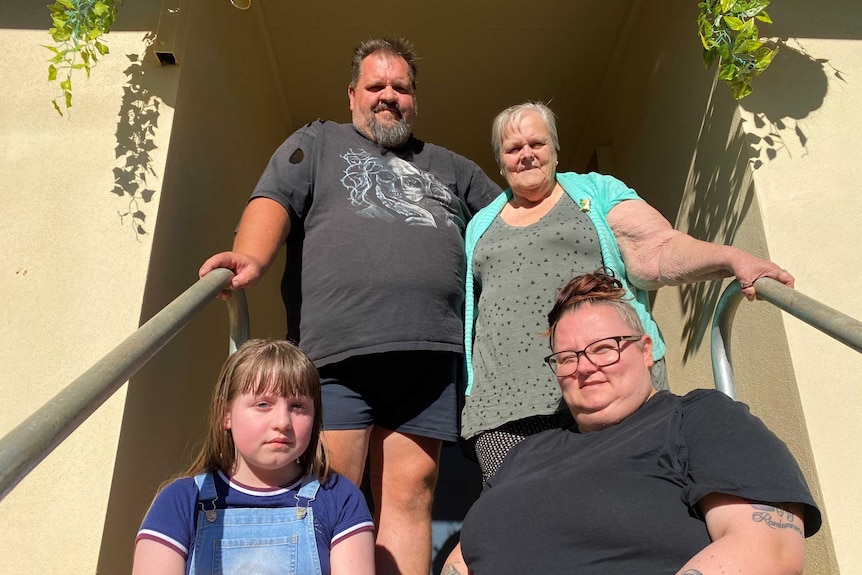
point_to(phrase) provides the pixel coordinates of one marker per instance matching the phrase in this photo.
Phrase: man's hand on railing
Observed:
(247, 270)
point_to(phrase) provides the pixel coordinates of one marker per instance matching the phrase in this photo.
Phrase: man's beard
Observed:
(389, 135)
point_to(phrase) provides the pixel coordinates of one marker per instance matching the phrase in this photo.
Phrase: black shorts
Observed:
(411, 392)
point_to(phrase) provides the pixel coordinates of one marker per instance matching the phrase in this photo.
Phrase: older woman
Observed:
(644, 481)
(544, 229)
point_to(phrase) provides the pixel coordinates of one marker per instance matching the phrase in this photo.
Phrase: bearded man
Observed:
(373, 286)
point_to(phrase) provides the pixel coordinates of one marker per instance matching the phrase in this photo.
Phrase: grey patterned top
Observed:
(519, 270)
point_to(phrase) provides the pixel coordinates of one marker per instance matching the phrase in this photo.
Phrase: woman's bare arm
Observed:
(655, 254)
(749, 537)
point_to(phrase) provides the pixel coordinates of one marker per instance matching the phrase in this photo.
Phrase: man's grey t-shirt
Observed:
(375, 256)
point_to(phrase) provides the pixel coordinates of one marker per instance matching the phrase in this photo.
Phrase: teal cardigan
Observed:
(596, 195)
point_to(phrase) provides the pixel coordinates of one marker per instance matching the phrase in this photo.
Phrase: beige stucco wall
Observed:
(73, 275)
(228, 120)
(78, 280)
(681, 140)
(810, 197)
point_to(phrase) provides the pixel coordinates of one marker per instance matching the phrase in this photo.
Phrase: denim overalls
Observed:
(259, 541)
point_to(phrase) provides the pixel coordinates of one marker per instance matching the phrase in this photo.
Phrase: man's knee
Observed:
(407, 469)
(347, 451)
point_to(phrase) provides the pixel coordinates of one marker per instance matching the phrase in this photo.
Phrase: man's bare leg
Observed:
(403, 478)
(347, 450)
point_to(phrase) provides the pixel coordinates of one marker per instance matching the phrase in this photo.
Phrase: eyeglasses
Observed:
(600, 353)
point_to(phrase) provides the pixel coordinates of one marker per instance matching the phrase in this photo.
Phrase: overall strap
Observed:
(307, 494)
(206, 486)
(207, 495)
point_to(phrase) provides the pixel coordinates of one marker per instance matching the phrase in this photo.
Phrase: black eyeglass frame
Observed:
(617, 338)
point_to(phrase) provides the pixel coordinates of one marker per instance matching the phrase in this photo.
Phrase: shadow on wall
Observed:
(149, 86)
(794, 86)
(720, 198)
(721, 193)
(136, 130)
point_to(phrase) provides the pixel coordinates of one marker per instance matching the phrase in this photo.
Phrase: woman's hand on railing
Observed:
(748, 269)
(247, 270)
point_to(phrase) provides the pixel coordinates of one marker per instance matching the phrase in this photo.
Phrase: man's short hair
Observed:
(391, 46)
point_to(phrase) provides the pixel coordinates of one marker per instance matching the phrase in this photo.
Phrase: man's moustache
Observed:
(383, 106)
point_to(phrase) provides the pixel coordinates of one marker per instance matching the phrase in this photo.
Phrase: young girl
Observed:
(259, 497)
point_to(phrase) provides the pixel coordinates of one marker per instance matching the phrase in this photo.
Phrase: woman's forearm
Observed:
(749, 537)
(740, 555)
(454, 564)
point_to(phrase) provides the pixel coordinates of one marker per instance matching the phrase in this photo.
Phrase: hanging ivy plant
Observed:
(728, 32)
(78, 29)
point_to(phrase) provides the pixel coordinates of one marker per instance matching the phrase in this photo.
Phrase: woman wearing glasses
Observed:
(644, 481)
(544, 229)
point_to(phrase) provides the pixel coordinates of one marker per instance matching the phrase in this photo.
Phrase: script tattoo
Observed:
(784, 519)
(450, 569)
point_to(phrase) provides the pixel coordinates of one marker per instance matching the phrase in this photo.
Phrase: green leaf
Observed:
(102, 48)
(68, 99)
(52, 73)
(100, 9)
(756, 8)
(727, 72)
(764, 17)
(66, 85)
(709, 57)
(764, 59)
(733, 22)
(60, 35)
(741, 90)
(57, 107)
(727, 5)
(747, 47)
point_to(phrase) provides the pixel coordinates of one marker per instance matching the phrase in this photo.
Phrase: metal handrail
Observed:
(30, 442)
(831, 322)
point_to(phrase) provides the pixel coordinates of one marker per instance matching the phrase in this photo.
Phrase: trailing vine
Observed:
(728, 32)
(78, 29)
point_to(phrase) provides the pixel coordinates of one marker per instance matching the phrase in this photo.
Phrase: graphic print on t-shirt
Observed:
(396, 190)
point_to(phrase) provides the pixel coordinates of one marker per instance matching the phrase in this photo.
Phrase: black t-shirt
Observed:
(375, 259)
(624, 499)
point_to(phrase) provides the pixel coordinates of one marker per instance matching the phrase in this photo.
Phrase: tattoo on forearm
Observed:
(450, 569)
(692, 572)
(782, 520)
